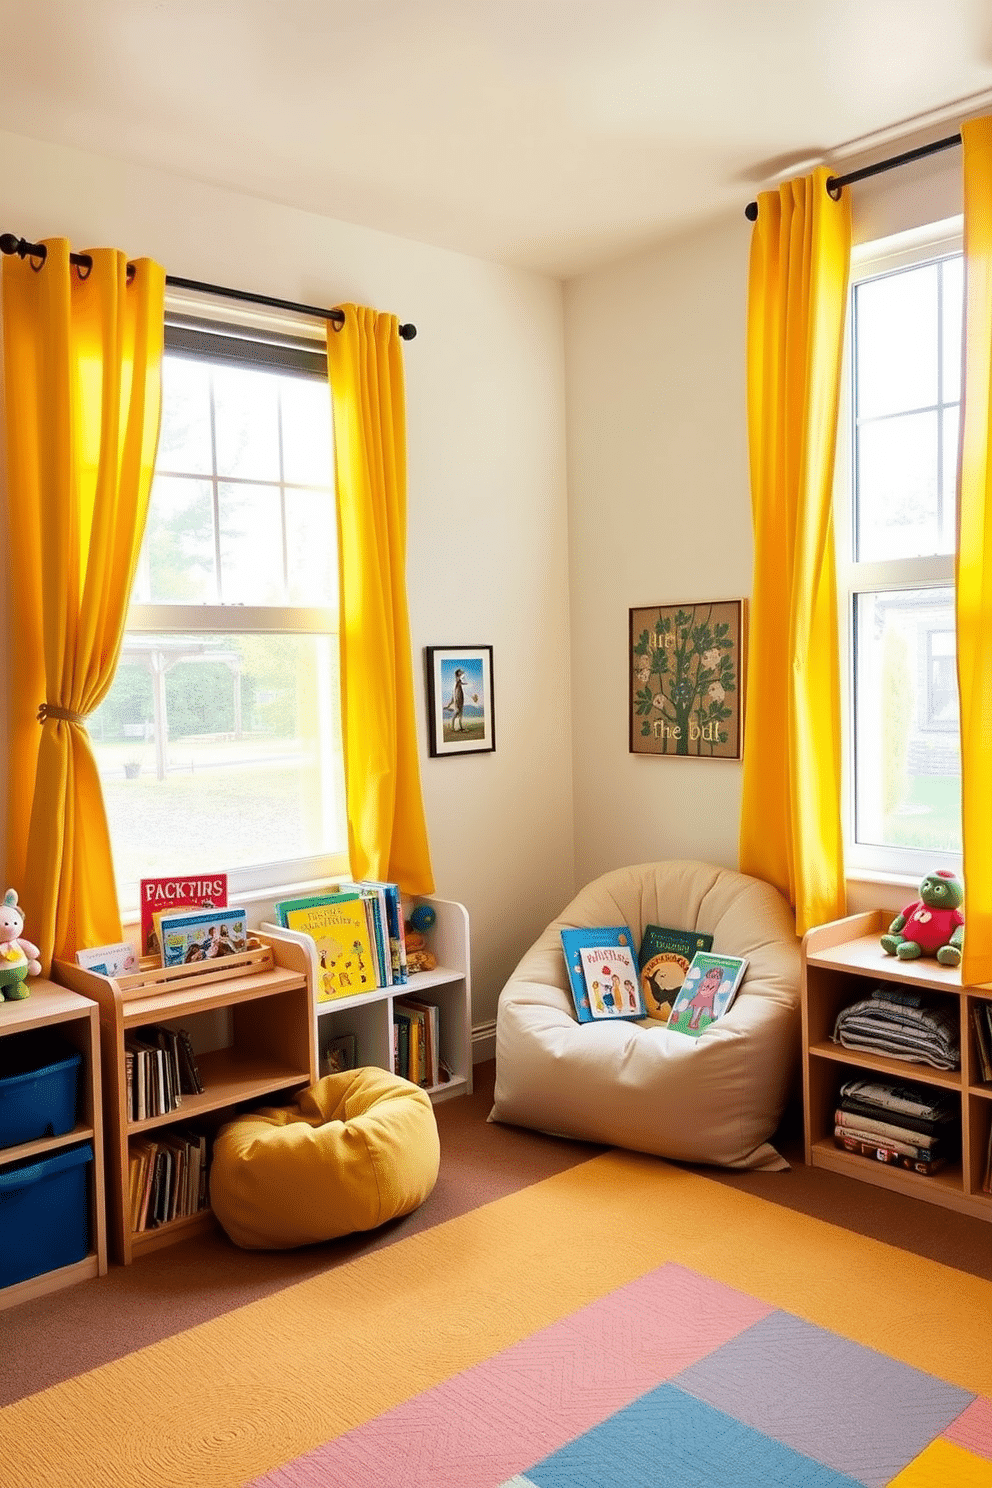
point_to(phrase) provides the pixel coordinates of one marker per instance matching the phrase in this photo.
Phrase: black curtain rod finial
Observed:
(10, 243)
(835, 184)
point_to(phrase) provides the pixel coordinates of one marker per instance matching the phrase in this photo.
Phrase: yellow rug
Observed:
(223, 1404)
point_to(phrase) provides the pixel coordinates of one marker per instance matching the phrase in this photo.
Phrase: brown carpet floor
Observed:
(65, 1333)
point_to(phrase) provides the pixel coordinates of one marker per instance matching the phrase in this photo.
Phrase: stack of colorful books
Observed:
(910, 1126)
(357, 930)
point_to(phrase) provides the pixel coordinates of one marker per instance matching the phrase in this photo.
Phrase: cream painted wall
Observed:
(659, 513)
(487, 502)
(659, 504)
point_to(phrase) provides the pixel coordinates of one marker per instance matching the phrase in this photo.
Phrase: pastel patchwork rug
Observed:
(624, 1322)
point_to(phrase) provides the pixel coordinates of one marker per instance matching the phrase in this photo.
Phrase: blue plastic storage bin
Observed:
(44, 1214)
(39, 1077)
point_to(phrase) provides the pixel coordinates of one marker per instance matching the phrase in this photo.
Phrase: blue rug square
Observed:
(668, 1439)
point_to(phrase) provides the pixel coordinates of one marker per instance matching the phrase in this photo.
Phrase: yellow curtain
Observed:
(974, 559)
(797, 298)
(82, 378)
(387, 832)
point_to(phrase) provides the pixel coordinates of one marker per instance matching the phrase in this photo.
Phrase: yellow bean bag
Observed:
(356, 1150)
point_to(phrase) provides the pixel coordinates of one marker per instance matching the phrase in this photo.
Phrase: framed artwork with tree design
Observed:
(686, 679)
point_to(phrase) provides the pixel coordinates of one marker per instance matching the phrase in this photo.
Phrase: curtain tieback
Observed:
(51, 710)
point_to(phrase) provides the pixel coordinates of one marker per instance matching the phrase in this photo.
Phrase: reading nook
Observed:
(641, 1084)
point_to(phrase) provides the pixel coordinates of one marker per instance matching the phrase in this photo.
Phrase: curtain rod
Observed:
(11, 244)
(835, 183)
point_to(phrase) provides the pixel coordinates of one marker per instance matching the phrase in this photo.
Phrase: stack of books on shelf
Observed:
(167, 1177)
(417, 1042)
(909, 1126)
(357, 930)
(159, 1068)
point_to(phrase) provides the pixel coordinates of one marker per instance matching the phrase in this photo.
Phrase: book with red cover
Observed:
(162, 895)
(883, 1154)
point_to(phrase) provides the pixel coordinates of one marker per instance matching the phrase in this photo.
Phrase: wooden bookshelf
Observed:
(256, 1008)
(841, 963)
(75, 1019)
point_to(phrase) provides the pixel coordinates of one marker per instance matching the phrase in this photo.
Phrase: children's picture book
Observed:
(602, 973)
(709, 988)
(401, 1043)
(663, 960)
(340, 1054)
(188, 935)
(331, 895)
(161, 895)
(346, 963)
(109, 960)
(374, 896)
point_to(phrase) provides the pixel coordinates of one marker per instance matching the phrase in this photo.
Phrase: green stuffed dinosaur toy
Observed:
(932, 925)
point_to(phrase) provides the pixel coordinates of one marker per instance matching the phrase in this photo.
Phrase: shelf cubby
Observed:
(72, 1017)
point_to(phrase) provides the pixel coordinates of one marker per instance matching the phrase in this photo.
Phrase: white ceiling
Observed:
(551, 134)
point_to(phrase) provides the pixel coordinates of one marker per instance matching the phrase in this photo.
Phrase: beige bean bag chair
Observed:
(713, 1099)
(355, 1150)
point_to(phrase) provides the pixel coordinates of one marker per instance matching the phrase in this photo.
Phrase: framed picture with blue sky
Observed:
(460, 717)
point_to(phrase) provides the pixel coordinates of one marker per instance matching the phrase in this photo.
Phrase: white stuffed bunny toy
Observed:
(18, 957)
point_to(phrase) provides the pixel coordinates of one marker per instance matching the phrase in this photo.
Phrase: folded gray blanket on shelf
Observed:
(924, 1035)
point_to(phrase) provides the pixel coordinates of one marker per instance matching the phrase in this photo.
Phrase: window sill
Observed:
(867, 889)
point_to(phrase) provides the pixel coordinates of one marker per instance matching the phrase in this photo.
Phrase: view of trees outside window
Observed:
(219, 742)
(906, 356)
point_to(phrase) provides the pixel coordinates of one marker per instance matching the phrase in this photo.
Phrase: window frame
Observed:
(273, 341)
(871, 260)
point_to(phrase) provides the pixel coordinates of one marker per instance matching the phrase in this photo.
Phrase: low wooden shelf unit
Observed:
(841, 962)
(263, 999)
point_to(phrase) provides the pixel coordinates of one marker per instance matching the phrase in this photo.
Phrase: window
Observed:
(896, 538)
(219, 742)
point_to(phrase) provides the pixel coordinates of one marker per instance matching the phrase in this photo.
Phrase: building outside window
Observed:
(219, 743)
(896, 513)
